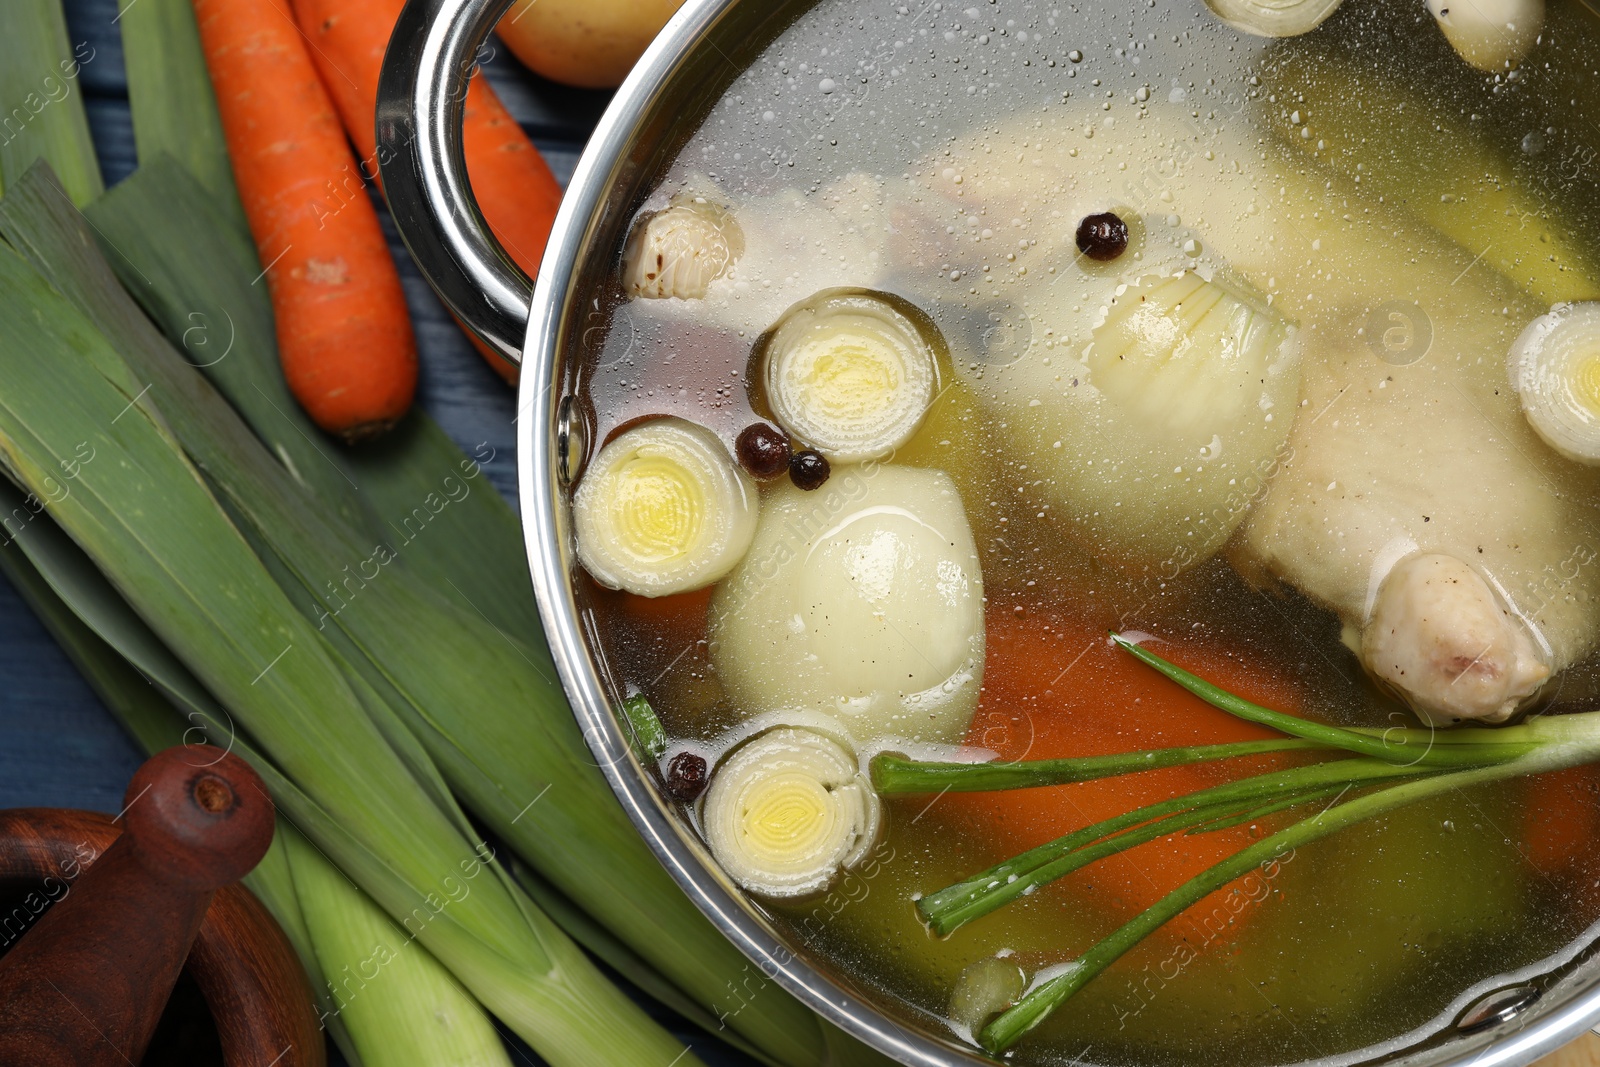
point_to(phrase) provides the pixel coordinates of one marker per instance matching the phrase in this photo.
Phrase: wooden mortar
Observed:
(112, 915)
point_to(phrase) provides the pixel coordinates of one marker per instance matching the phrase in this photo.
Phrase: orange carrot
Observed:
(344, 335)
(1561, 820)
(514, 186)
(1053, 687)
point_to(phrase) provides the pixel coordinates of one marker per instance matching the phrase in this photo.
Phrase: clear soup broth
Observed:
(1242, 346)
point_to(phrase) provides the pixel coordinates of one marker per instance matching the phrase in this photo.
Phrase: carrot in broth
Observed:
(1054, 687)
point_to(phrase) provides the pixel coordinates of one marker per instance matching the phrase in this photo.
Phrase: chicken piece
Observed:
(1391, 463)
(1406, 439)
(1440, 637)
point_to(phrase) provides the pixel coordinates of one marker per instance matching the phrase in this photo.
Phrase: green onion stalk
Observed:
(1373, 772)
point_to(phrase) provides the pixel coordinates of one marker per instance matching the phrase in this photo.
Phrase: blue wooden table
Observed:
(59, 747)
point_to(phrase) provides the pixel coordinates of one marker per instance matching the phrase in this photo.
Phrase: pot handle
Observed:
(421, 97)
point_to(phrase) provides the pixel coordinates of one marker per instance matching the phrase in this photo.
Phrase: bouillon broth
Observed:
(1111, 317)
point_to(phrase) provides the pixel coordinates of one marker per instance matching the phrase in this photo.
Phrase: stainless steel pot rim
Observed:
(550, 563)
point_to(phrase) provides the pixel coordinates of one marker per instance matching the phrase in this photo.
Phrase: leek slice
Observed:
(850, 372)
(663, 509)
(1555, 367)
(788, 811)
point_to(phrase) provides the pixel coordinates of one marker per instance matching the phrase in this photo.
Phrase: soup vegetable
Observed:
(1095, 515)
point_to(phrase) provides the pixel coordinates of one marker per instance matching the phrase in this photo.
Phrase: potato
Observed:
(588, 43)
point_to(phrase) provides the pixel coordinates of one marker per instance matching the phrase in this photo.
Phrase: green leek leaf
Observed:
(145, 516)
(43, 98)
(174, 107)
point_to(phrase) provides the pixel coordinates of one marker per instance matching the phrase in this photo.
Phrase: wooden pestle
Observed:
(87, 984)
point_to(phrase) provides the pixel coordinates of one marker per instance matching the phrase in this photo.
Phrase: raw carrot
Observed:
(344, 334)
(1054, 687)
(514, 186)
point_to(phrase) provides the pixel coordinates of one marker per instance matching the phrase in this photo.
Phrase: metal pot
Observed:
(549, 326)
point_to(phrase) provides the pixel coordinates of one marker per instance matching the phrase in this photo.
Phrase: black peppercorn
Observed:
(1102, 237)
(686, 776)
(808, 469)
(762, 451)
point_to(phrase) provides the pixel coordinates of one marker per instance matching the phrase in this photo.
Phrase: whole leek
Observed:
(43, 115)
(147, 518)
(468, 618)
(466, 572)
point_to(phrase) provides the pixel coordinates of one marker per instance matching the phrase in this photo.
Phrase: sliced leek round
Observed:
(850, 372)
(680, 251)
(663, 509)
(788, 811)
(1555, 366)
(1273, 18)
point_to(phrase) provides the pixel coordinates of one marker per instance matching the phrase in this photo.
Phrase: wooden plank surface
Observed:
(1584, 1052)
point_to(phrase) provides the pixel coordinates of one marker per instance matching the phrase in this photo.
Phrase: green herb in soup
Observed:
(1168, 632)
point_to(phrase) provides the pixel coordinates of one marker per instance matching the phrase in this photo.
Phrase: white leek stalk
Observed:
(850, 372)
(1555, 367)
(788, 811)
(399, 1005)
(663, 509)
